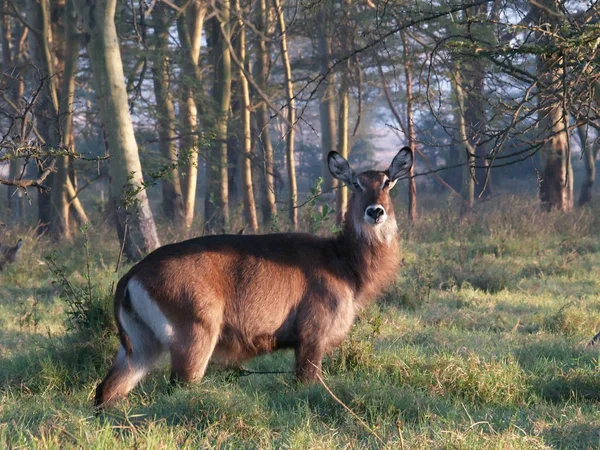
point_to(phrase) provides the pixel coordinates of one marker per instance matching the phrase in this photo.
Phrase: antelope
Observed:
(229, 298)
(9, 254)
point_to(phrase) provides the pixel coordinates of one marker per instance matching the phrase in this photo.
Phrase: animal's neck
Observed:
(372, 255)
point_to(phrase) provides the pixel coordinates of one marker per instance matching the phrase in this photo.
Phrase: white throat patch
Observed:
(383, 233)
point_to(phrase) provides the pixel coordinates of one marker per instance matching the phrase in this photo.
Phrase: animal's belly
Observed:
(235, 346)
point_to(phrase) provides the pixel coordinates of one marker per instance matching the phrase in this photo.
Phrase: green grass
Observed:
(481, 344)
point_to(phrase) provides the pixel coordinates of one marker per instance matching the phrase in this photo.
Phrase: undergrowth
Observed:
(480, 343)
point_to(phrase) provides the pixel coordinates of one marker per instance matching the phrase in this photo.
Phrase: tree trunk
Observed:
(233, 143)
(453, 176)
(217, 189)
(342, 192)
(189, 28)
(410, 129)
(344, 99)
(556, 186)
(172, 197)
(46, 112)
(473, 77)
(326, 102)
(245, 162)
(268, 205)
(135, 223)
(15, 86)
(474, 112)
(589, 158)
(61, 223)
(467, 151)
(291, 116)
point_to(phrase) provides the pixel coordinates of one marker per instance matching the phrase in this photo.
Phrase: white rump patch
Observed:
(148, 311)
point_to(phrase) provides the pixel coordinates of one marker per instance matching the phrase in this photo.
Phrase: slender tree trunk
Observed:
(135, 223)
(589, 158)
(556, 187)
(473, 77)
(61, 223)
(467, 152)
(190, 35)
(344, 99)
(16, 87)
(291, 116)
(46, 112)
(76, 204)
(172, 197)
(15, 197)
(342, 192)
(268, 205)
(217, 189)
(453, 176)
(233, 143)
(71, 44)
(410, 128)
(245, 162)
(326, 101)
(474, 80)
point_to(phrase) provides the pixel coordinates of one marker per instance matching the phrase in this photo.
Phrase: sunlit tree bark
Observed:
(467, 151)
(410, 129)
(326, 99)
(344, 99)
(342, 147)
(556, 186)
(189, 28)
(61, 223)
(135, 222)
(217, 190)
(268, 205)
(291, 116)
(245, 163)
(172, 197)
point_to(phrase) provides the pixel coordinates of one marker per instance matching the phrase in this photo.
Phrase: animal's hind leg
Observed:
(128, 369)
(191, 351)
(125, 372)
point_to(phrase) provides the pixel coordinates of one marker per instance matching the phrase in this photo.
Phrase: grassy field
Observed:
(480, 344)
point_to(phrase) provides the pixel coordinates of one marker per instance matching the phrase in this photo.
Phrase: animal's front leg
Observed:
(309, 355)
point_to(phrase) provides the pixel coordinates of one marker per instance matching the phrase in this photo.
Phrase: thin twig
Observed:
(347, 408)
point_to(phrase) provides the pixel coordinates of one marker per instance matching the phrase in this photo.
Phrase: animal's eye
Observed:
(386, 184)
(357, 186)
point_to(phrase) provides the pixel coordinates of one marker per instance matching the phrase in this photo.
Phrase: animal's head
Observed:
(370, 209)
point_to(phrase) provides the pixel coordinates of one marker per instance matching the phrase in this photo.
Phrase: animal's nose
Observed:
(375, 212)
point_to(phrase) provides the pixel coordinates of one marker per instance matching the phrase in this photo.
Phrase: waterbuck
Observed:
(232, 297)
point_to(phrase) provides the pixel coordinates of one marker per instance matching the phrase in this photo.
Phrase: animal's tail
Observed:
(123, 301)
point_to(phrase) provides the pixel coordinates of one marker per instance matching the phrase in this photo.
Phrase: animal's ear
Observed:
(19, 243)
(401, 164)
(340, 169)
